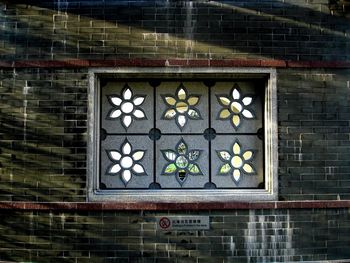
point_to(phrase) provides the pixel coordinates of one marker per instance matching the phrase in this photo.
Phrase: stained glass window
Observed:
(179, 135)
(181, 156)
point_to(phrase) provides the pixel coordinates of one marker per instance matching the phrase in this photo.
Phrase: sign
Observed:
(183, 223)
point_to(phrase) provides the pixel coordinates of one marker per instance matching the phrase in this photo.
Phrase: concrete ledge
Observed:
(112, 206)
(80, 63)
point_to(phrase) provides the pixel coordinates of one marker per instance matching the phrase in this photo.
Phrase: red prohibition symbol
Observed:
(164, 222)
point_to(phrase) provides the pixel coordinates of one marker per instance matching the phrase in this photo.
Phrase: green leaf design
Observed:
(170, 168)
(225, 168)
(194, 169)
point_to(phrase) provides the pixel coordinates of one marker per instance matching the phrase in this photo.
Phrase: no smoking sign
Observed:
(183, 223)
(164, 223)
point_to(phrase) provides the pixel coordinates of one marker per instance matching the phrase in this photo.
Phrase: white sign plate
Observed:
(183, 223)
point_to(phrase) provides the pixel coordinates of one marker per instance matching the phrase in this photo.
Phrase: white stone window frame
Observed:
(270, 193)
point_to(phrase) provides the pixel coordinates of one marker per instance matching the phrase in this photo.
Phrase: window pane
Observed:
(237, 161)
(172, 151)
(236, 107)
(182, 161)
(127, 107)
(126, 162)
(182, 107)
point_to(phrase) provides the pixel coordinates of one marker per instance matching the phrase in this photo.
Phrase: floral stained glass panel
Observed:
(181, 135)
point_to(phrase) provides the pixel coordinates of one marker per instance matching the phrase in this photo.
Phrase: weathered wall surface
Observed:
(313, 134)
(235, 236)
(43, 125)
(43, 134)
(291, 30)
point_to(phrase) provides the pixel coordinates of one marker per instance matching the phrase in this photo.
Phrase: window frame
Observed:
(270, 192)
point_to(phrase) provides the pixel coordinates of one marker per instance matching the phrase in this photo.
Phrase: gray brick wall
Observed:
(235, 236)
(43, 127)
(313, 108)
(43, 115)
(291, 30)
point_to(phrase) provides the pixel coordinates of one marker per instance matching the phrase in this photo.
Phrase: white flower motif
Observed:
(125, 162)
(235, 108)
(181, 107)
(126, 107)
(236, 162)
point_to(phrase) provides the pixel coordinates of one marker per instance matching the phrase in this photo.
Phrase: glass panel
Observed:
(170, 169)
(190, 168)
(225, 169)
(181, 161)
(240, 166)
(169, 114)
(126, 162)
(236, 107)
(192, 101)
(170, 100)
(182, 107)
(127, 107)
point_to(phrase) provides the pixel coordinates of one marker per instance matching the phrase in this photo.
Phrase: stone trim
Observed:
(112, 206)
(80, 63)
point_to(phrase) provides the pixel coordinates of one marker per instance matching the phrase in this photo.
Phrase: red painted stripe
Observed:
(80, 63)
(112, 206)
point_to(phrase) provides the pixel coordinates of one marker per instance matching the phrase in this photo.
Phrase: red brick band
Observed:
(79, 63)
(110, 206)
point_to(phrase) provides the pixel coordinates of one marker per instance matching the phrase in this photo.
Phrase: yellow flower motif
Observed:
(236, 162)
(181, 107)
(235, 108)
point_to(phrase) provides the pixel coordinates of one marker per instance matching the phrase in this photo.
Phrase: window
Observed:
(182, 135)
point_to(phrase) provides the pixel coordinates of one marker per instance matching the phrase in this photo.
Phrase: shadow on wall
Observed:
(42, 136)
(173, 29)
(235, 236)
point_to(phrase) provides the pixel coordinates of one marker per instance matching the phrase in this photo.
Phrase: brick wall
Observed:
(235, 236)
(43, 135)
(313, 113)
(46, 48)
(289, 30)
